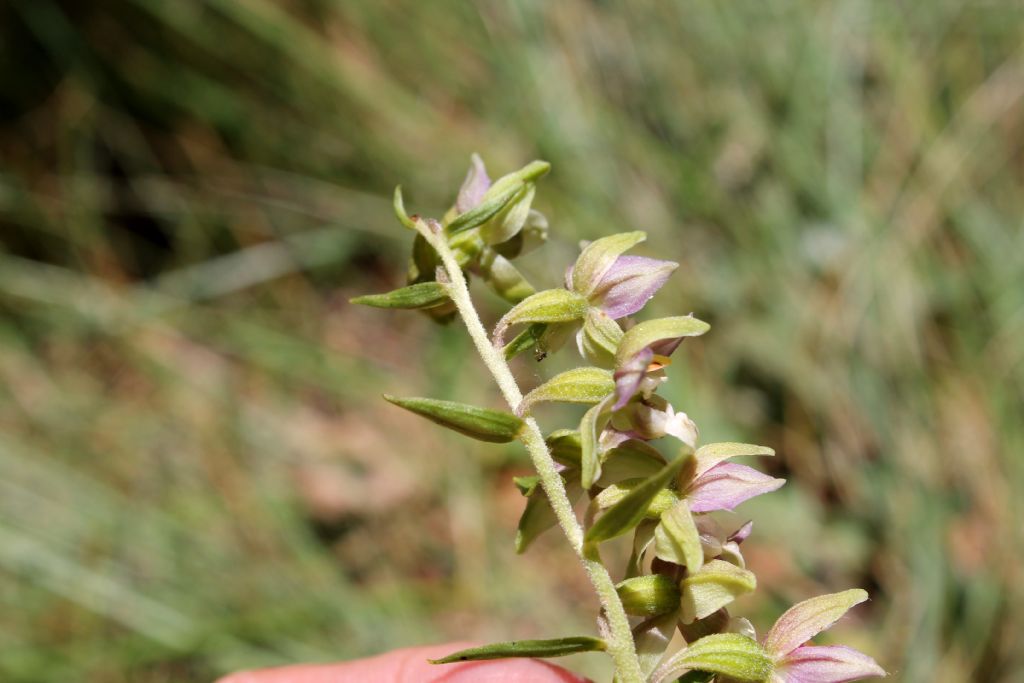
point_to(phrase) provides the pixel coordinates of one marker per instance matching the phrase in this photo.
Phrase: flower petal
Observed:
(827, 664)
(725, 486)
(474, 186)
(629, 375)
(629, 284)
(807, 619)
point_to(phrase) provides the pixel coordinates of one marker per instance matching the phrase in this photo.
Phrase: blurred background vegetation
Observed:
(196, 473)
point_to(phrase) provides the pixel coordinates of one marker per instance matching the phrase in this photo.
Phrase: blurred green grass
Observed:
(196, 473)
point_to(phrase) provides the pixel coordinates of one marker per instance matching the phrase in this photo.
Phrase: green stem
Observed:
(620, 645)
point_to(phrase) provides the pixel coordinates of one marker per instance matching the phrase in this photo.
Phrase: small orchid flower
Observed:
(797, 662)
(720, 485)
(651, 418)
(645, 350)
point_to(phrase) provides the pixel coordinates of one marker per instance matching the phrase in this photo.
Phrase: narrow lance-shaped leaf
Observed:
(580, 385)
(556, 647)
(727, 654)
(716, 585)
(421, 295)
(677, 540)
(549, 306)
(630, 511)
(648, 596)
(480, 423)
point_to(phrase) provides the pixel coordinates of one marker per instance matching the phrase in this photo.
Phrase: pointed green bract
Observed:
(399, 206)
(726, 654)
(421, 295)
(714, 586)
(629, 460)
(630, 511)
(556, 647)
(549, 306)
(639, 337)
(648, 596)
(581, 385)
(598, 256)
(538, 516)
(480, 423)
(525, 340)
(590, 428)
(677, 540)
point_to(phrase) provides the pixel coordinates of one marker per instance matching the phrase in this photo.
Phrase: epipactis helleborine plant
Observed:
(686, 568)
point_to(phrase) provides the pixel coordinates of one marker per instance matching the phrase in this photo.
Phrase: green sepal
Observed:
(421, 295)
(711, 454)
(506, 281)
(631, 510)
(600, 338)
(565, 447)
(714, 586)
(556, 647)
(579, 385)
(725, 654)
(399, 206)
(479, 423)
(525, 340)
(548, 306)
(598, 256)
(642, 335)
(677, 540)
(630, 460)
(649, 596)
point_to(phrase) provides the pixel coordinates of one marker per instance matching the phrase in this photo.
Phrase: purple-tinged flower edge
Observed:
(726, 485)
(825, 664)
(629, 284)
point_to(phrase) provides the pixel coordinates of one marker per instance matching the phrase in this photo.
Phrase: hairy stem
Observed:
(620, 645)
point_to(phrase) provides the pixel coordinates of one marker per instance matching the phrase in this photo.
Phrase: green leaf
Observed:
(725, 654)
(549, 306)
(711, 454)
(677, 540)
(565, 447)
(422, 295)
(480, 423)
(648, 596)
(590, 429)
(538, 516)
(630, 460)
(557, 647)
(614, 494)
(630, 511)
(525, 340)
(642, 335)
(580, 385)
(714, 586)
(399, 206)
(598, 256)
